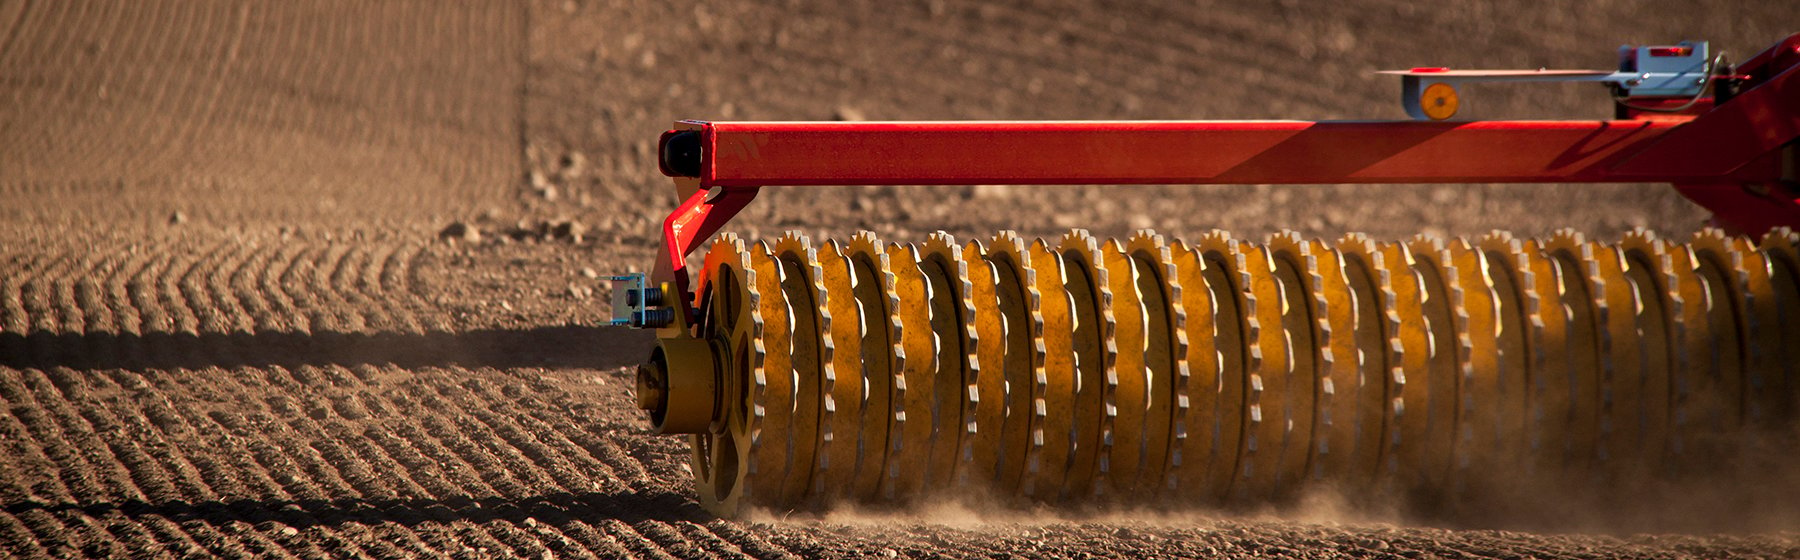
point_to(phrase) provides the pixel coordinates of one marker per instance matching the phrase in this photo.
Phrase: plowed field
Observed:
(229, 325)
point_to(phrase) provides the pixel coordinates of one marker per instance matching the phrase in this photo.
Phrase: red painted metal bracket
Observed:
(698, 217)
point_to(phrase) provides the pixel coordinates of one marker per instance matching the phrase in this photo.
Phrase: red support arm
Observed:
(698, 217)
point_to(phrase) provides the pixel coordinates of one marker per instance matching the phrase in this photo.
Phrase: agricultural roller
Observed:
(1150, 370)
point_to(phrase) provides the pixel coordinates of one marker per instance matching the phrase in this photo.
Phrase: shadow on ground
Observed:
(558, 346)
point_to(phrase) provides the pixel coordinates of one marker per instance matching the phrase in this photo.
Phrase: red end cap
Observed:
(1428, 69)
(1671, 51)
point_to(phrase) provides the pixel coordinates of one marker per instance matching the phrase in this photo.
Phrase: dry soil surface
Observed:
(229, 324)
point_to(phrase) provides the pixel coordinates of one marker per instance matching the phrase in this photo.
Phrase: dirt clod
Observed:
(569, 230)
(848, 113)
(459, 231)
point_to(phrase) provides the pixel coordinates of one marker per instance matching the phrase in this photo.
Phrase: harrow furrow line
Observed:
(525, 544)
(142, 289)
(405, 487)
(431, 479)
(49, 533)
(163, 477)
(73, 430)
(184, 314)
(234, 318)
(14, 318)
(398, 304)
(498, 442)
(30, 474)
(748, 541)
(638, 545)
(533, 455)
(551, 458)
(44, 433)
(345, 463)
(457, 480)
(389, 279)
(197, 301)
(478, 540)
(710, 542)
(21, 541)
(284, 462)
(129, 320)
(594, 542)
(393, 316)
(276, 283)
(494, 472)
(420, 540)
(345, 466)
(312, 293)
(173, 537)
(304, 449)
(554, 432)
(261, 466)
(431, 433)
(327, 280)
(92, 536)
(40, 308)
(249, 285)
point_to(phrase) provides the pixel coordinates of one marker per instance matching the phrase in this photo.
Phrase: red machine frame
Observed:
(1736, 158)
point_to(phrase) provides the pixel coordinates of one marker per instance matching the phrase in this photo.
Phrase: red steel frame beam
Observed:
(747, 154)
(1736, 159)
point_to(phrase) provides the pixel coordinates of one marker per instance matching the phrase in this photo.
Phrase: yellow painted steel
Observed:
(1226, 372)
(1507, 272)
(1646, 268)
(1584, 313)
(1781, 253)
(1016, 302)
(1054, 379)
(845, 442)
(951, 313)
(803, 291)
(1442, 404)
(1369, 294)
(872, 289)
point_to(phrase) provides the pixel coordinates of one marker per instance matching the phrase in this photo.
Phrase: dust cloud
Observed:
(1743, 484)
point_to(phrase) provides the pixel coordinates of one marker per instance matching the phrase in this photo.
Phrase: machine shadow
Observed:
(569, 346)
(555, 508)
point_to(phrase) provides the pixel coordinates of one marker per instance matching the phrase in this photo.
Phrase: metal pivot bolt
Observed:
(638, 304)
